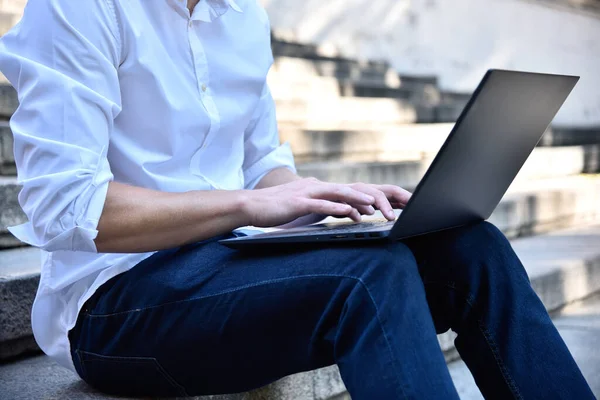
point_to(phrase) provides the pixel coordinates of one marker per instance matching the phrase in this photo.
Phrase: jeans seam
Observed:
(470, 300)
(83, 370)
(394, 361)
(267, 282)
(222, 292)
(493, 347)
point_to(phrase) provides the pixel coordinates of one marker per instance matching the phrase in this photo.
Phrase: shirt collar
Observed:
(207, 10)
(234, 6)
(220, 7)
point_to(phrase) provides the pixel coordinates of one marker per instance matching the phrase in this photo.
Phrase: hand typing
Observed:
(278, 205)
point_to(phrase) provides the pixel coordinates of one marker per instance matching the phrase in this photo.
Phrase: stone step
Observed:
(315, 80)
(8, 99)
(353, 111)
(291, 48)
(571, 136)
(450, 106)
(324, 60)
(360, 83)
(407, 169)
(389, 143)
(370, 142)
(293, 97)
(539, 206)
(10, 211)
(19, 278)
(355, 71)
(563, 266)
(7, 158)
(315, 88)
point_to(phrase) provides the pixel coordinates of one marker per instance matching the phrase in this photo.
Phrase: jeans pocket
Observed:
(128, 376)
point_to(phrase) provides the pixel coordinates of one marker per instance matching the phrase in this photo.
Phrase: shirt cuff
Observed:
(80, 236)
(281, 157)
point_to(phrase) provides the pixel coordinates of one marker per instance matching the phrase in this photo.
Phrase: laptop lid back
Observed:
(498, 129)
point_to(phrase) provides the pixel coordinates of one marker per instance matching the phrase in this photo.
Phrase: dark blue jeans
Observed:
(204, 319)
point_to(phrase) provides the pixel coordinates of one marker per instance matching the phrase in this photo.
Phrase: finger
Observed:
(395, 194)
(355, 215)
(381, 201)
(398, 206)
(341, 193)
(326, 207)
(365, 210)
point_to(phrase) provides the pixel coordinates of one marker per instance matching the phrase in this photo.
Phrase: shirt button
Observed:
(190, 23)
(204, 88)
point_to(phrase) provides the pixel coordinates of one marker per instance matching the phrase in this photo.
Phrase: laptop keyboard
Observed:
(360, 226)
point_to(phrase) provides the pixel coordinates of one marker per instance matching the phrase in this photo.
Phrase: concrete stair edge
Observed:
(372, 163)
(316, 142)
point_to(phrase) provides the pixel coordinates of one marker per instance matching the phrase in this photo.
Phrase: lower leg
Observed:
(385, 341)
(477, 286)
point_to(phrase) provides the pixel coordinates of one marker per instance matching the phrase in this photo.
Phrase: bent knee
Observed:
(477, 252)
(391, 261)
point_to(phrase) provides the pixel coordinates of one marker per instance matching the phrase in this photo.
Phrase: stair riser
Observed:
(7, 159)
(561, 136)
(10, 213)
(407, 169)
(16, 299)
(339, 69)
(413, 142)
(8, 100)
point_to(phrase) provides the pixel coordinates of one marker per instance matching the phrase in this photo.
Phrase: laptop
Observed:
(493, 137)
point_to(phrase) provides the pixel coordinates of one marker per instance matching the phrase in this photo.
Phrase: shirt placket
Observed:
(203, 85)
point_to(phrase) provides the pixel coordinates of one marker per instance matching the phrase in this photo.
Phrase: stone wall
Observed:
(458, 40)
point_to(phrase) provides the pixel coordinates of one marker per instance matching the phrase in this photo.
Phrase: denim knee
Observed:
(483, 258)
(393, 261)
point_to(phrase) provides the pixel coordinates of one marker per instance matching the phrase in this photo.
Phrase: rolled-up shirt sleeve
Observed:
(62, 59)
(262, 150)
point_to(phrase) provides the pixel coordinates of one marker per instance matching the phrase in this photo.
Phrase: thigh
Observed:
(214, 320)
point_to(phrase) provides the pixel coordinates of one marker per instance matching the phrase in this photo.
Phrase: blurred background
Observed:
(368, 91)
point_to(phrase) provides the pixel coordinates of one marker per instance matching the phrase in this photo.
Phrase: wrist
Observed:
(244, 205)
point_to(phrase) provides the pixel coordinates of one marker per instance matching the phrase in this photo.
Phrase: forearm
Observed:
(277, 177)
(136, 219)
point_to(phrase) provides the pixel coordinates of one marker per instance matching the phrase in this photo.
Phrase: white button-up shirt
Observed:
(136, 91)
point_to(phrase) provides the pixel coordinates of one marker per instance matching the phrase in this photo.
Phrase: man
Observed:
(145, 133)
